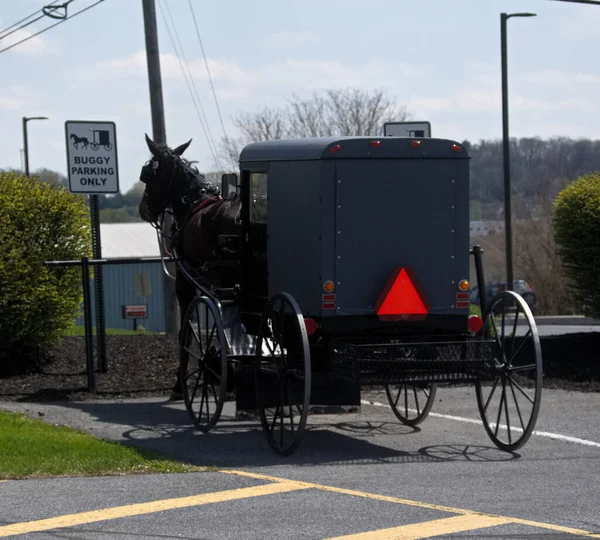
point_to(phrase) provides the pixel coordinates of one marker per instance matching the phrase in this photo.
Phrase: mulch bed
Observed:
(137, 366)
(145, 366)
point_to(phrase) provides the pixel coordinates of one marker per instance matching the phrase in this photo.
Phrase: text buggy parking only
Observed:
(93, 170)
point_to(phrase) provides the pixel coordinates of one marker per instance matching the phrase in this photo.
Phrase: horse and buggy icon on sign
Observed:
(100, 137)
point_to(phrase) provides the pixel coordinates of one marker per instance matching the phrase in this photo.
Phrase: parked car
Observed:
(520, 286)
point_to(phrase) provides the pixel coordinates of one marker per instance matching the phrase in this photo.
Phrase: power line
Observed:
(51, 26)
(207, 69)
(194, 95)
(5, 33)
(589, 2)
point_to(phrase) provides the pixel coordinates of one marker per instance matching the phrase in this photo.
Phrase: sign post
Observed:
(92, 169)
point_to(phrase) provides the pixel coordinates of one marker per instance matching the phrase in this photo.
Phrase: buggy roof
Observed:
(316, 148)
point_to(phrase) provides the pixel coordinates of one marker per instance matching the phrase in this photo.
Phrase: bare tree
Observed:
(343, 112)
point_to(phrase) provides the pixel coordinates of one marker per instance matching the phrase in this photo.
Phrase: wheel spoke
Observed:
(417, 400)
(516, 403)
(506, 411)
(491, 394)
(521, 390)
(500, 409)
(514, 333)
(521, 345)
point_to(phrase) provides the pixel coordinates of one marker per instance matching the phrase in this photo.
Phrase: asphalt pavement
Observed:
(355, 475)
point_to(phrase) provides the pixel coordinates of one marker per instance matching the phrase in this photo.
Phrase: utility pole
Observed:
(159, 136)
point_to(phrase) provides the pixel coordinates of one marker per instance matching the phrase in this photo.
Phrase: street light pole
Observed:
(25, 147)
(506, 150)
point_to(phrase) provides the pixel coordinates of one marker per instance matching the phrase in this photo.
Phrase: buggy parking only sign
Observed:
(92, 157)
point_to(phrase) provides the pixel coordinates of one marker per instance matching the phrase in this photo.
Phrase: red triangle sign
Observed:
(401, 298)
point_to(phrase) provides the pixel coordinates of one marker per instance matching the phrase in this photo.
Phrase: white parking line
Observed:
(556, 436)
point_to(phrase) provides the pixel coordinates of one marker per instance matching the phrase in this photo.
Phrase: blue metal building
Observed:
(130, 284)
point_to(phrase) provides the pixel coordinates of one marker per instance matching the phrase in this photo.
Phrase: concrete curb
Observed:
(561, 320)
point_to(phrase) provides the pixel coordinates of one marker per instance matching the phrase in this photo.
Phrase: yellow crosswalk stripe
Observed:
(409, 502)
(429, 529)
(129, 510)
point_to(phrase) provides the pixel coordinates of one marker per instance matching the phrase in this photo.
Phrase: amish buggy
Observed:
(101, 137)
(334, 264)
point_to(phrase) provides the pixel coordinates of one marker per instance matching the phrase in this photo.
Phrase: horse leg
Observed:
(185, 293)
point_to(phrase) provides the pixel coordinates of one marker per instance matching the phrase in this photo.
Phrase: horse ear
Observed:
(152, 146)
(182, 148)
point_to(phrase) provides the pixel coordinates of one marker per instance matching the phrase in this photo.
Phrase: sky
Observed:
(438, 58)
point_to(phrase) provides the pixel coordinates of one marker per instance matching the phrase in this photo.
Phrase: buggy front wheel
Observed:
(509, 403)
(411, 403)
(283, 373)
(203, 363)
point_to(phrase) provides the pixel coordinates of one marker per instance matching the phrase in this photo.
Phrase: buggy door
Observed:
(254, 253)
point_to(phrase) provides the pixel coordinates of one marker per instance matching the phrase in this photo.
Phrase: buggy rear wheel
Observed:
(510, 403)
(283, 373)
(203, 363)
(411, 403)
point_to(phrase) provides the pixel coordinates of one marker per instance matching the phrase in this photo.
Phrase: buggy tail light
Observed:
(415, 144)
(475, 324)
(335, 148)
(455, 147)
(375, 144)
(311, 326)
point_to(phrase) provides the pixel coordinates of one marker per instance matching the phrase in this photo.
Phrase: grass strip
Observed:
(79, 331)
(31, 448)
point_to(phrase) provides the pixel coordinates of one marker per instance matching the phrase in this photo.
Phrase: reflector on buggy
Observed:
(369, 239)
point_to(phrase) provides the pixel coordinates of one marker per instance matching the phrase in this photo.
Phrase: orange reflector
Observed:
(402, 297)
(329, 286)
(464, 285)
(311, 326)
(475, 324)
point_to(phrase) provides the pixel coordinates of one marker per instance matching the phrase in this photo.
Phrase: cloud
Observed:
(235, 83)
(295, 38)
(556, 77)
(35, 45)
(10, 103)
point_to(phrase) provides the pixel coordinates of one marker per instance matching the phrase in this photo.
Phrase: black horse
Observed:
(200, 216)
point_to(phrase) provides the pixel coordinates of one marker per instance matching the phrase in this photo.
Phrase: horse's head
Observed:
(159, 176)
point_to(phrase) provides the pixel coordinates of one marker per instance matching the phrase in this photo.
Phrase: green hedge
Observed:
(576, 220)
(40, 222)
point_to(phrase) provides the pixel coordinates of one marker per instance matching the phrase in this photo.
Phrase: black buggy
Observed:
(355, 271)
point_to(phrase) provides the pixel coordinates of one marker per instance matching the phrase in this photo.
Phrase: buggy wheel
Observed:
(510, 403)
(203, 363)
(108, 147)
(283, 373)
(411, 403)
(95, 146)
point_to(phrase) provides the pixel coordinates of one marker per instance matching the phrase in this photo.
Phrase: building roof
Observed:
(128, 240)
